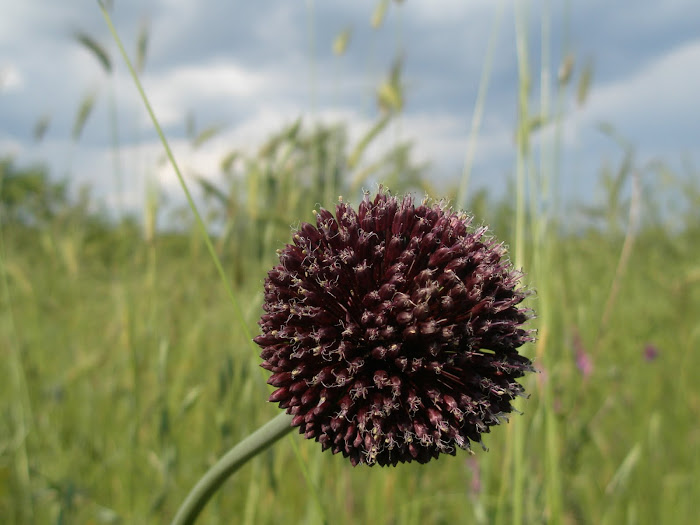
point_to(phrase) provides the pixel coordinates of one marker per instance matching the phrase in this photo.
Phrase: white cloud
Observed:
(11, 147)
(651, 109)
(19, 17)
(11, 79)
(443, 137)
(173, 92)
(447, 10)
(668, 86)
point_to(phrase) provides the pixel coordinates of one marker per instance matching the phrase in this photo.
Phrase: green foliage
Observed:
(41, 127)
(340, 43)
(27, 195)
(95, 49)
(379, 13)
(584, 84)
(87, 104)
(142, 45)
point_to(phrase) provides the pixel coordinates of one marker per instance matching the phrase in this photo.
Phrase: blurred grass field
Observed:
(126, 372)
(126, 375)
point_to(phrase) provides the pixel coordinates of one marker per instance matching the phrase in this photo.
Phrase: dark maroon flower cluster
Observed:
(392, 331)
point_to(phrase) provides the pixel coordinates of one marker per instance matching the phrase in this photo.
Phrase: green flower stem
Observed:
(228, 464)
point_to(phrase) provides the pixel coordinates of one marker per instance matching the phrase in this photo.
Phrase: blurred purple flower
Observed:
(475, 468)
(651, 352)
(584, 362)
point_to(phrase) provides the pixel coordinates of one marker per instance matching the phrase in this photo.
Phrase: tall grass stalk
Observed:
(102, 56)
(116, 149)
(171, 158)
(311, 34)
(21, 408)
(625, 254)
(542, 261)
(479, 106)
(523, 152)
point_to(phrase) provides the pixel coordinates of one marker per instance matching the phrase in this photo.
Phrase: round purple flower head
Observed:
(392, 331)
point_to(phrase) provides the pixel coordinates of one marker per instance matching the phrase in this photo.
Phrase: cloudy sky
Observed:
(256, 66)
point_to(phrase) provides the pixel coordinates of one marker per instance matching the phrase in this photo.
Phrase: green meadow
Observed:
(128, 367)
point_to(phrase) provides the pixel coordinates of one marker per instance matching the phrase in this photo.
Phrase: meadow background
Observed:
(127, 368)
